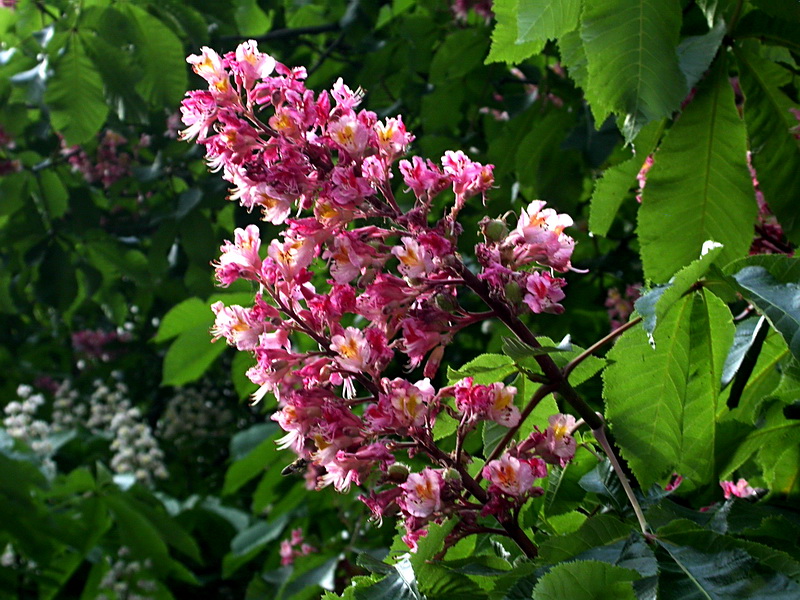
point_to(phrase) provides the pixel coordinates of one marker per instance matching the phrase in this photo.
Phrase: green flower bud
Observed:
(494, 230)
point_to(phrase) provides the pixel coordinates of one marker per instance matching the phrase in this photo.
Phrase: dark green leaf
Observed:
(632, 61)
(779, 301)
(74, 96)
(258, 535)
(776, 154)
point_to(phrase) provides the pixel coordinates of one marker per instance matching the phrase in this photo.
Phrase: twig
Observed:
(599, 344)
(600, 436)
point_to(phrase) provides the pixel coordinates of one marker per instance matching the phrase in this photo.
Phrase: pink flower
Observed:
(539, 236)
(556, 445)
(240, 259)
(423, 177)
(513, 476)
(544, 293)
(240, 326)
(502, 408)
(393, 139)
(422, 495)
(414, 259)
(251, 64)
(352, 349)
(740, 489)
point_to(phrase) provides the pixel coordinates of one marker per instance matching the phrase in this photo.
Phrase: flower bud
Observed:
(494, 230)
(451, 475)
(446, 302)
(513, 292)
(398, 472)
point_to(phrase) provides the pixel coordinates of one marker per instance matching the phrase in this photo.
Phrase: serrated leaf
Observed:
(780, 436)
(698, 185)
(74, 96)
(654, 304)
(632, 61)
(189, 356)
(586, 580)
(660, 406)
(701, 564)
(599, 530)
(778, 301)
(776, 154)
(505, 47)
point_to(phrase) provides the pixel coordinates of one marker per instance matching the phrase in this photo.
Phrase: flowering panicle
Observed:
(322, 168)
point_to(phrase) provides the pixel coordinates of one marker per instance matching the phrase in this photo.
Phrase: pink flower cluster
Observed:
(293, 547)
(620, 306)
(109, 163)
(322, 168)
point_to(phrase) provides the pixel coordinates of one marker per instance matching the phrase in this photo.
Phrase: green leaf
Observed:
(781, 436)
(523, 27)
(699, 185)
(653, 305)
(189, 314)
(258, 535)
(160, 54)
(699, 565)
(696, 52)
(251, 461)
(189, 356)
(778, 301)
(586, 580)
(661, 402)
(54, 194)
(505, 47)
(250, 19)
(486, 369)
(776, 154)
(547, 20)
(139, 534)
(632, 61)
(74, 96)
(612, 188)
(599, 530)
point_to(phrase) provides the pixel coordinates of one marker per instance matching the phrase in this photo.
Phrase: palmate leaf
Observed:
(661, 401)
(699, 188)
(776, 154)
(74, 96)
(633, 66)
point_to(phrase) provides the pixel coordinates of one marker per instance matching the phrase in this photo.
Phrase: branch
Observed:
(525, 335)
(282, 34)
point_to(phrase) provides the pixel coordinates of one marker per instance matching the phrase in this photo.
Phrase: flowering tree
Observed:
(418, 319)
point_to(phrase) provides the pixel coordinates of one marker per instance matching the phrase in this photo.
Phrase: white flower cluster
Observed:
(20, 423)
(135, 449)
(125, 581)
(194, 415)
(67, 411)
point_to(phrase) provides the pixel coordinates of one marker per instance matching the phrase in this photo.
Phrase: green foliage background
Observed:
(596, 87)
